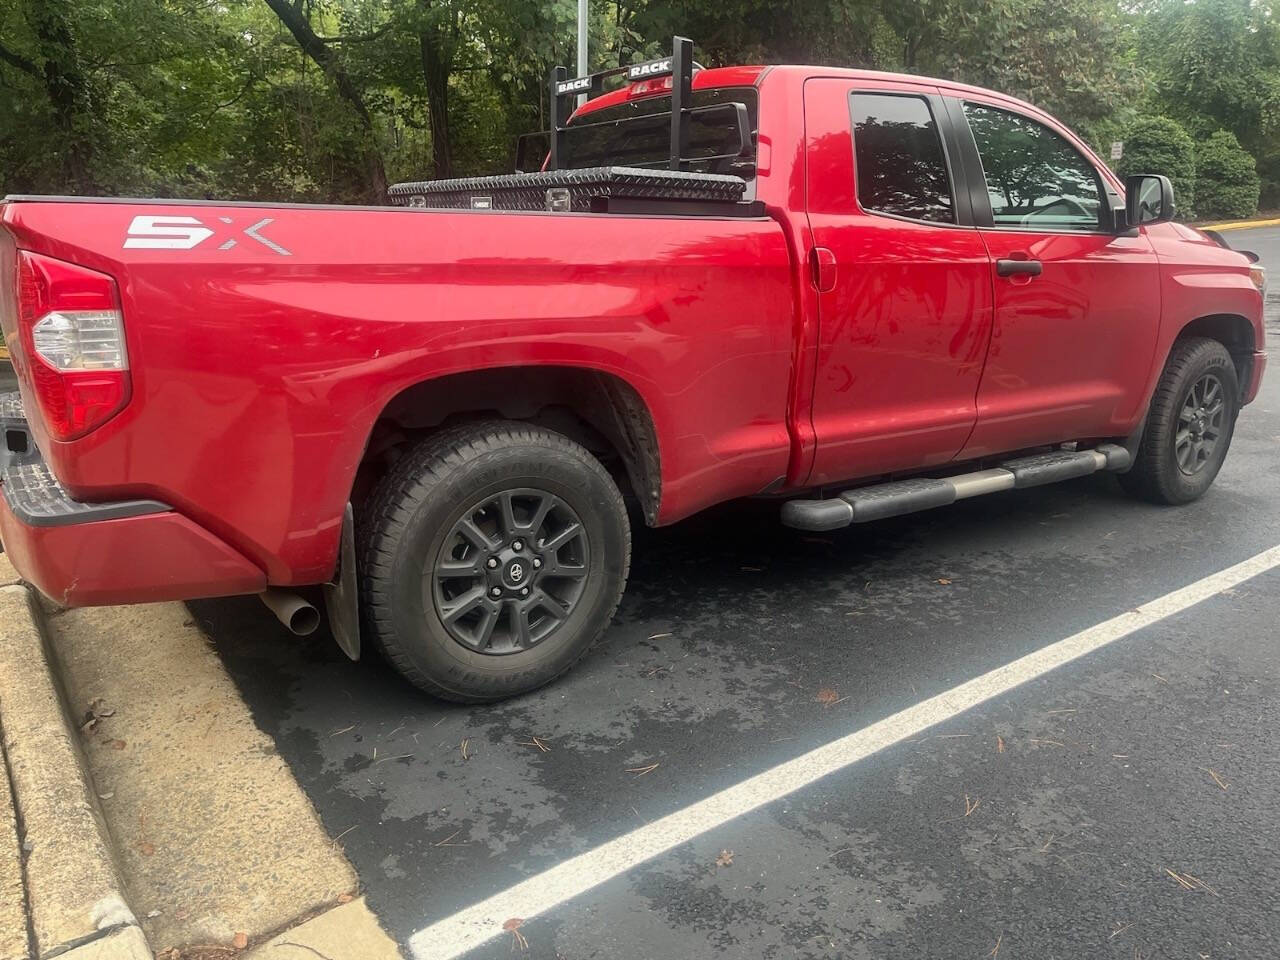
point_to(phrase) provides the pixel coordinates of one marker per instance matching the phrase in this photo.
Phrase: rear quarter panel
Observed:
(257, 375)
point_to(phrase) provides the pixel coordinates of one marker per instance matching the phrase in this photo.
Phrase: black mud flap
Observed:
(341, 597)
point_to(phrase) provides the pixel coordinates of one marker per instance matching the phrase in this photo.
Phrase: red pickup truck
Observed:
(859, 293)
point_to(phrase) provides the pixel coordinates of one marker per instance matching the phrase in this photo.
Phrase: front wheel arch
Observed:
(1233, 331)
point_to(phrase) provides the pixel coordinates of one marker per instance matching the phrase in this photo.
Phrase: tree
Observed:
(1160, 145)
(293, 15)
(1215, 64)
(1073, 58)
(330, 99)
(1226, 181)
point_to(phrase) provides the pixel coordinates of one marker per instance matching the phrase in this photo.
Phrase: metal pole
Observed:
(582, 45)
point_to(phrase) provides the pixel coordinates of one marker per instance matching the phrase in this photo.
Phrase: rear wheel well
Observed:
(1231, 330)
(602, 412)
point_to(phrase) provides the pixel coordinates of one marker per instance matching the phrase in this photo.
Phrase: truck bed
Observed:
(267, 341)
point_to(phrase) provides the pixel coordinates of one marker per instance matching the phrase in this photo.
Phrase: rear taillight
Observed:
(73, 337)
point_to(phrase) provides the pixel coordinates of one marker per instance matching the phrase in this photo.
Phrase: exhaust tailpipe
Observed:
(297, 614)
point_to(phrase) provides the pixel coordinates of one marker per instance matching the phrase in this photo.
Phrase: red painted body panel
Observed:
(1070, 347)
(904, 332)
(1198, 278)
(161, 556)
(257, 376)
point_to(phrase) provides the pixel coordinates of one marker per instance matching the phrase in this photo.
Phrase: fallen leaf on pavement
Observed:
(826, 696)
(240, 941)
(512, 926)
(999, 744)
(725, 859)
(345, 898)
(944, 581)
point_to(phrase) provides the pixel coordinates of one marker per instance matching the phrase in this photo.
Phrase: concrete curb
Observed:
(75, 896)
(8, 575)
(15, 938)
(347, 932)
(213, 834)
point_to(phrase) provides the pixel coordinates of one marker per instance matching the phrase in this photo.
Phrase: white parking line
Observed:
(469, 928)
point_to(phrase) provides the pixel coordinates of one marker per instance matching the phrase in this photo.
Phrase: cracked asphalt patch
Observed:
(741, 645)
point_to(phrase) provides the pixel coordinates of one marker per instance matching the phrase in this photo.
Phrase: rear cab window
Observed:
(899, 160)
(637, 133)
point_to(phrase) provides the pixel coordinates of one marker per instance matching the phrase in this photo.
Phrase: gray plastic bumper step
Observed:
(31, 490)
(38, 500)
(900, 497)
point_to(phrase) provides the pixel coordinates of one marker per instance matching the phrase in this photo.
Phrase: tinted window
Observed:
(637, 133)
(1035, 178)
(898, 152)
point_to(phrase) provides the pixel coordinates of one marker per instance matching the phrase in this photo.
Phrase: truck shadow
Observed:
(728, 563)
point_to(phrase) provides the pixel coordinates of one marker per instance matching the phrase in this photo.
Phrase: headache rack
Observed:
(675, 191)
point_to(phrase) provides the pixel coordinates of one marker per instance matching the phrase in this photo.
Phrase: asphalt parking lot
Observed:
(1124, 805)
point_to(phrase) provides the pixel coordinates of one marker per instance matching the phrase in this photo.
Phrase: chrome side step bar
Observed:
(898, 497)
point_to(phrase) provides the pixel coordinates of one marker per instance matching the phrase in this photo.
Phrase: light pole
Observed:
(582, 45)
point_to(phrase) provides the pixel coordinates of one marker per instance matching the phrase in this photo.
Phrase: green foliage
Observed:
(1226, 179)
(1073, 58)
(1160, 145)
(1215, 64)
(330, 99)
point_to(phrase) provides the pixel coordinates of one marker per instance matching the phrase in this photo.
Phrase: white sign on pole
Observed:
(1117, 149)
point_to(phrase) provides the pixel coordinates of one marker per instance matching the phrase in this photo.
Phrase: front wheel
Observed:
(493, 556)
(1190, 425)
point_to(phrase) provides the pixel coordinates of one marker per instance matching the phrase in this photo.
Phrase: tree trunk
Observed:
(320, 52)
(437, 64)
(68, 92)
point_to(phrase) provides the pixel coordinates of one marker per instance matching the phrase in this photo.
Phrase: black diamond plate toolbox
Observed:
(528, 191)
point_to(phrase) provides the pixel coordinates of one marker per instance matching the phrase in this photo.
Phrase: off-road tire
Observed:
(415, 507)
(1156, 475)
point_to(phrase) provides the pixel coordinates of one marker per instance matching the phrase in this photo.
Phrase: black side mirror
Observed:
(1148, 199)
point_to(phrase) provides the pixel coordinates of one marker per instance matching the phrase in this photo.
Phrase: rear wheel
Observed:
(1190, 425)
(493, 557)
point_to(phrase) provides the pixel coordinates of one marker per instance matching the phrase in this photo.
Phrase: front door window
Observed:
(1036, 179)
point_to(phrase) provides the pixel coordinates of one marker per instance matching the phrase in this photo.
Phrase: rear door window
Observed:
(901, 166)
(1035, 178)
